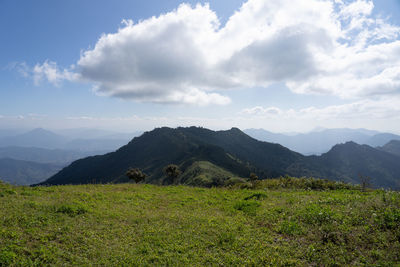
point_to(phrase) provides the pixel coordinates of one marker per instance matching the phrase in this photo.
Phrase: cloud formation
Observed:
(363, 109)
(330, 47)
(48, 71)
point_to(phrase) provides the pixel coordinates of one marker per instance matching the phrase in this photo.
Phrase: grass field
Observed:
(127, 224)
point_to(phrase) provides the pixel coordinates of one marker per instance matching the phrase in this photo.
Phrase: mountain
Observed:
(21, 172)
(85, 140)
(10, 132)
(316, 142)
(36, 138)
(322, 140)
(381, 139)
(88, 133)
(232, 152)
(269, 159)
(349, 162)
(392, 147)
(42, 155)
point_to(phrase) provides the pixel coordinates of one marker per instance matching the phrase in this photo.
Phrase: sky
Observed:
(126, 65)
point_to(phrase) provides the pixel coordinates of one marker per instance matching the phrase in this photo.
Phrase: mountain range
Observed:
(33, 156)
(392, 147)
(321, 141)
(75, 139)
(21, 172)
(43, 155)
(232, 152)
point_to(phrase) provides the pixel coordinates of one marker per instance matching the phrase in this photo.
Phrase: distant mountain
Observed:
(42, 155)
(35, 138)
(95, 144)
(233, 152)
(10, 132)
(392, 147)
(350, 161)
(25, 172)
(86, 140)
(381, 139)
(316, 142)
(88, 133)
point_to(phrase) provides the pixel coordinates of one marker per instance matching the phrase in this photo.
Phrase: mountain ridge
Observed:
(233, 151)
(321, 141)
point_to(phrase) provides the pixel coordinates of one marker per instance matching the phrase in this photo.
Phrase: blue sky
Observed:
(279, 65)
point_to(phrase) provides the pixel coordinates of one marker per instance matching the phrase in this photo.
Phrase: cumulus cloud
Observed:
(159, 60)
(328, 47)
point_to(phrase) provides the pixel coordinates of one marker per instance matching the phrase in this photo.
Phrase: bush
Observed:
(201, 180)
(172, 171)
(389, 218)
(302, 183)
(136, 174)
(233, 181)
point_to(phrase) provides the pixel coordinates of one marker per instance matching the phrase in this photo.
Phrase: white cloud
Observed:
(50, 72)
(385, 108)
(185, 56)
(158, 60)
(260, 111)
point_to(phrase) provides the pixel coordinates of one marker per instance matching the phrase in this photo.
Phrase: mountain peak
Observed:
(235, 129)
(346, 145)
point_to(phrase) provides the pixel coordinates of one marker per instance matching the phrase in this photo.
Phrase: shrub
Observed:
(253, 178)
(389, 218)
(233, 181)
(172, 171)
(136, 174)
(201, 180)
(302, 183)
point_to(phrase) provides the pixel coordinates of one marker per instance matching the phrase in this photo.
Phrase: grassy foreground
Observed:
(128, 224)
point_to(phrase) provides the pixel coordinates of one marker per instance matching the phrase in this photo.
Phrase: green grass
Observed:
(127, 224)
(206, 174)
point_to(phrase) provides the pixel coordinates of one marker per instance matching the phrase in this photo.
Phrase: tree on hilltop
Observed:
(172, 171)
(253, 178)
(136, 174)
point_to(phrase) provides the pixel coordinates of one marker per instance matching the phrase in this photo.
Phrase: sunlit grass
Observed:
(179, 225)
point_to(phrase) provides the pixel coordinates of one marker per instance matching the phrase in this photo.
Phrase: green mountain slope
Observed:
(204, 173)
(267, 159)
(150, 152)
(232, 151)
